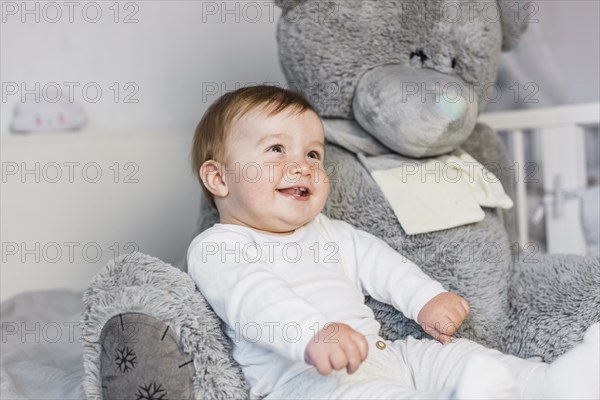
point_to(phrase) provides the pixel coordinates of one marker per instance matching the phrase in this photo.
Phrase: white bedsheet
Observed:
(41, 354)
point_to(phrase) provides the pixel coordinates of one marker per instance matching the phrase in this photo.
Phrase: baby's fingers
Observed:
(354, 354)
(441, 337)
(339, 359)
(444, 339)
(450, 327)
(363, 346)
(466, 306)
(454, 320)
(460, 312)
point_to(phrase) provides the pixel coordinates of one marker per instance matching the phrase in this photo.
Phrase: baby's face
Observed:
(274, 171)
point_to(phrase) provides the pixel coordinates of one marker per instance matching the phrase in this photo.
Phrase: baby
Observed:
(289, 282)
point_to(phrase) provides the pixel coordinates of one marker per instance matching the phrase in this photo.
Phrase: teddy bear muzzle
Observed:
(416, 112)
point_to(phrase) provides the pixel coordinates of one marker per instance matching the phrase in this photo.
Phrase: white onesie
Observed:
(275, 292)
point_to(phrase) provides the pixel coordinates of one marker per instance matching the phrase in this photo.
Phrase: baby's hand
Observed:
(441, 316)
(336, 346)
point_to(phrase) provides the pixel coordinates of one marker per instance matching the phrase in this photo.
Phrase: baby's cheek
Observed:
(255, 187)
(270, 176)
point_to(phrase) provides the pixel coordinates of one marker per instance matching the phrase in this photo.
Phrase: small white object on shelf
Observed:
(43, 116)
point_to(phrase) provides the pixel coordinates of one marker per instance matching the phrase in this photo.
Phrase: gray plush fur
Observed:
(138, 283)
(554, 298)
(391, 104)
(515, 16)
(325, 47)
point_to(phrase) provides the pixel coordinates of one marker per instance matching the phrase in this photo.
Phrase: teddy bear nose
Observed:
(417, 112)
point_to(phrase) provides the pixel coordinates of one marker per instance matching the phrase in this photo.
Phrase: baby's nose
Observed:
(302, 167)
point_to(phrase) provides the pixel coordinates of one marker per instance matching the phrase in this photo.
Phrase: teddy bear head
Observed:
(414, 74)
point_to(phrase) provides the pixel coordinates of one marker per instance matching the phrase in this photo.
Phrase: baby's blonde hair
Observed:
(211, 133)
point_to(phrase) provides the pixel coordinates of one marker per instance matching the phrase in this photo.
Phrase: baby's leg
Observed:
(382, 375)
(469, 369)
(573, 375)
(339, 385)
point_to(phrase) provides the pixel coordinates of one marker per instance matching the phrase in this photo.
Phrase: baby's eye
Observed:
(276, 146)
(317, 155)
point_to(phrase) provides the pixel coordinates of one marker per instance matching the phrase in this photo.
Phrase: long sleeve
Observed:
(245, 293)
(387, 275)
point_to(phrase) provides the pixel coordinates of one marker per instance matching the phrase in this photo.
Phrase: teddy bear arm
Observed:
(553, 299)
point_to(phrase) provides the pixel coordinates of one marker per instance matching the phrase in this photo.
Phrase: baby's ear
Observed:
(287, 4)
(213, 178)
(514, 17)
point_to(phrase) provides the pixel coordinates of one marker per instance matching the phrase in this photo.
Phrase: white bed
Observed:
(156, 215)
(42, 354)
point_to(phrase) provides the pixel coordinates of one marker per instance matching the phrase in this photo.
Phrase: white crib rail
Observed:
(560, 135)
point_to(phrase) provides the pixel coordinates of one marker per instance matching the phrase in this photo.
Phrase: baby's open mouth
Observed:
(296, 191)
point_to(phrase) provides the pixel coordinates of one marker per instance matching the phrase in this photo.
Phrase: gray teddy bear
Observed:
(357, 61)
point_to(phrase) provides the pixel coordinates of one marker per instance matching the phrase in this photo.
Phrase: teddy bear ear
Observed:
(513, 17)
(287, 4)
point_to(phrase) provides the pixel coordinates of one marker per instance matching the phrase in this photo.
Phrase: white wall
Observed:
(85, 199)
(172, 53)
(572, 29)
(559, 54)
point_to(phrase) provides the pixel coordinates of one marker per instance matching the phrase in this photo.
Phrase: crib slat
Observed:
(564, 173)
(518, 151)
